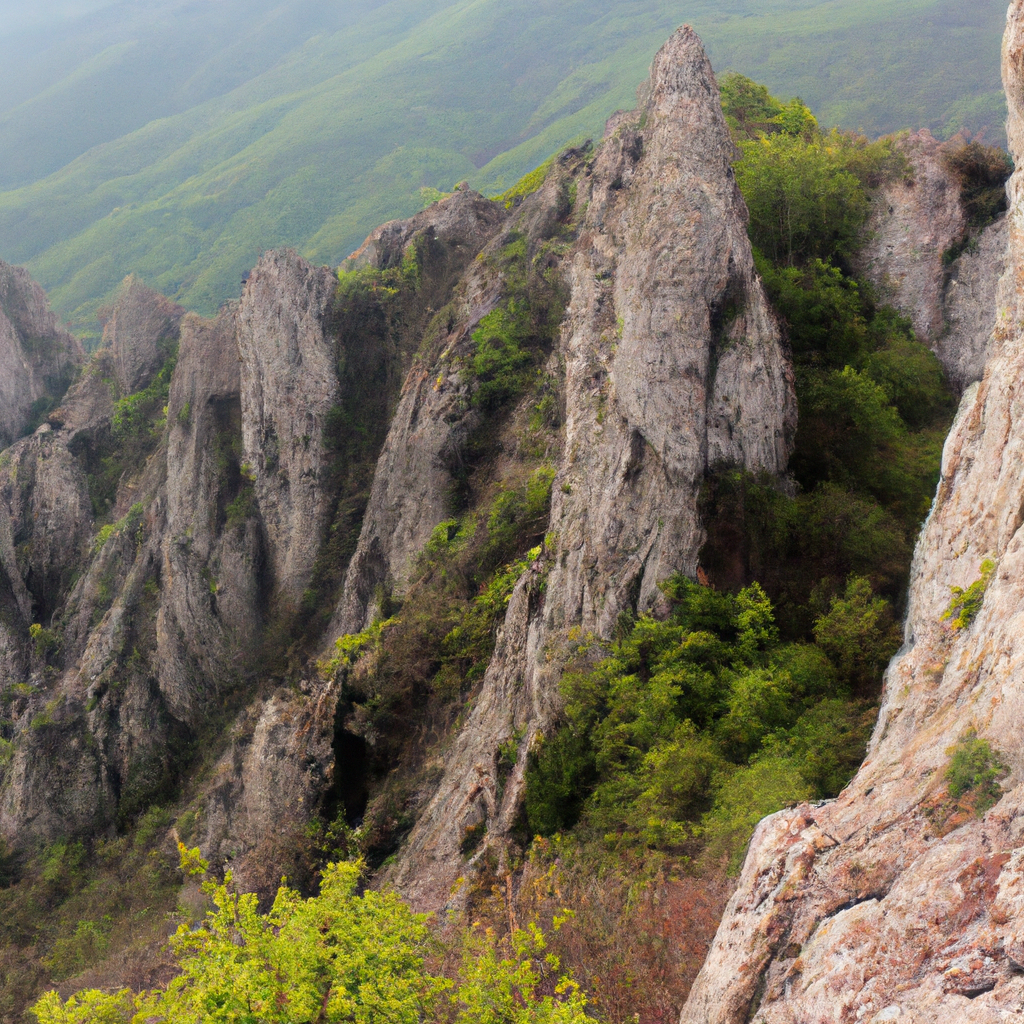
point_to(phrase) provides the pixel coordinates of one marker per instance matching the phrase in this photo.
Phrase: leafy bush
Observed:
(965, 604)
(982, 172)
(137, 415)
(975, 769)
(667, 740)
(766, 785)
(510, 340)
(518, 516)
(804, 201)
(859, 635)
(338, 956)
(752, 112)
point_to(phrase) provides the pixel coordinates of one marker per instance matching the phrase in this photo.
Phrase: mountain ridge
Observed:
(227, 200)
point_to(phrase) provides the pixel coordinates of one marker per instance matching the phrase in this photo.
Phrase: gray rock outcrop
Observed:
(289, 383)
(409, 495)
(38, 357)
(969, 305)
(672, 364)
(211, 593)
(915, 225)
(877, 906)
(141, 331)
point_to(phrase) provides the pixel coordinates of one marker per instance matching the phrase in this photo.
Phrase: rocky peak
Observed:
(896, 901)
(142, 327)
(463, 220)
(673, 363)
(38, 358)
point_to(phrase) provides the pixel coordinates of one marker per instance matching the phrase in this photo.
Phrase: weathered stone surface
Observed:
(913, 224)
(864, 908)
(969, 306)
(37, 356)
(289, 382)
(211, 555)
(140, 333)
(265, 786)
(672, 363)
(410, 487)
(45, 522)
(463, 220)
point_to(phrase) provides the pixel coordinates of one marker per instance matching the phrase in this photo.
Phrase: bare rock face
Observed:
(38, 358)
(141, 330)
(212, 550)
(913, 225)
(45, 522)
(409, 496)
(879, 905)
(289, 383)
(672, 364)
(265, 786)
(462, 221)
(970, 304)
(149, 619)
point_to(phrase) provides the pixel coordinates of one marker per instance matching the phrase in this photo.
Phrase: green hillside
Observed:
(180, 140)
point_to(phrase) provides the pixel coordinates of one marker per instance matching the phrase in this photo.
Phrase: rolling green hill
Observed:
(180, 139)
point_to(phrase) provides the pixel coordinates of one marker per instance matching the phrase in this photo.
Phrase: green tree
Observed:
(339, 956)
(858, 634)
(804, 201)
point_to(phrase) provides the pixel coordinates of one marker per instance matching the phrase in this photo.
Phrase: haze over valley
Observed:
(178, 140)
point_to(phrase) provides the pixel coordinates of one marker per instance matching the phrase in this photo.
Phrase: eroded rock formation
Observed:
(672, 364)
(38, 357)
(922, 255)
(879, 905)
(166, 559)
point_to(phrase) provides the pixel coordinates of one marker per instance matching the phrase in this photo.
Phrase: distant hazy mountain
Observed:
(179, 138)
(17, 15)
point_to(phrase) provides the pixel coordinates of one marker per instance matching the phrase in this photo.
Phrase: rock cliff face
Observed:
(409, 496)
(169, 559)
(38, 357)
(916, 225)
(672, 363)
(884, 904)
(149, 614)
(140, 332)
(149, 553)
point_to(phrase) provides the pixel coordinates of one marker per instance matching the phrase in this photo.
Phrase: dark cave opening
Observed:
(349, 793)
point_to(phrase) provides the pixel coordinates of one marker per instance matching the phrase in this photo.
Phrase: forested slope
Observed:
(179, 141)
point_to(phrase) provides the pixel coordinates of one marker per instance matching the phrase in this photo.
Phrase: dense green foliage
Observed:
(179, 143)
(693, 728)
(338, 956)
(964, 604)
(874, 405)
(975, 769)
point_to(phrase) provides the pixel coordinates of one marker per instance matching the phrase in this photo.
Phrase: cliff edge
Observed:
(904, 898)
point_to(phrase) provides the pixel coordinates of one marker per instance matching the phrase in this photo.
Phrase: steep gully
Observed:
(668, 362)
